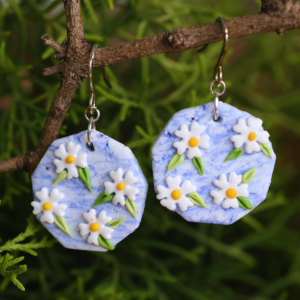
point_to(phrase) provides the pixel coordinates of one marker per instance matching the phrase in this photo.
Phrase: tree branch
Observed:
(48, 41)
(276, 15)
(281, 19)
(13, 164)
(53, 70)
(73, 71)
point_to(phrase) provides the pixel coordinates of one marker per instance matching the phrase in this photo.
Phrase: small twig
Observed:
(48, 41)
(53, 70)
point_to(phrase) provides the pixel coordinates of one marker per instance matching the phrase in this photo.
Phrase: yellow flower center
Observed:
(47, 206)
(121, 186)
(70, 159)
(252, 136)
(231, 193)
(193, 142)
(94, 227)
(176, 195)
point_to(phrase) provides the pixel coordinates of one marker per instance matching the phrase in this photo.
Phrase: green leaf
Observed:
(28, 247)
(131, 206)
(248, 176)
(105, 243)
(244, 203)
(61, 176)
(85, 177)
(110, 4)
(265, 148)
(235, 153)
(197, 161)
(61, 223)
(103, 198)
(6, 263)
(116, 222)
(197, 199)
(175, 161)
(90, 9)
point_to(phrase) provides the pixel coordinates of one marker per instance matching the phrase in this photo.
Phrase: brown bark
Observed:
(276, 15)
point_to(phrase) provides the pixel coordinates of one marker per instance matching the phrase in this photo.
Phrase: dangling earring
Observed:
(89, 189)
(213, 163)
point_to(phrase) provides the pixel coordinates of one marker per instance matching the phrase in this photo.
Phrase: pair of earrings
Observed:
(90, 191)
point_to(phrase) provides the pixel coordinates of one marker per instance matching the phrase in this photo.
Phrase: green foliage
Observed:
(256, 258)
(6, 264)
(8, 261)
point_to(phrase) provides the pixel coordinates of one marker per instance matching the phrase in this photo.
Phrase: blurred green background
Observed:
(258, 257)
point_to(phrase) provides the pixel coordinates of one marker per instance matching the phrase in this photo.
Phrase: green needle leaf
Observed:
(248, 176)
(131, 206)
(111, 4)
(85, 177)
(175, 161)
(198, 164)
(235, 153)
(197, 199)
(115, 223)
(244, 203)
(103, 198)
(61, 223)
(105, 243)
(61, 176)
(90, 9)
(265, 148)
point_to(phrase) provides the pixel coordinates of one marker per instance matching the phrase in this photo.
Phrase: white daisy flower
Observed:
(95, 226)
(249, 135)
(49, 205)
(191, 140)
(121, 186)
(229, 190)
(175, 194)
(69, 159)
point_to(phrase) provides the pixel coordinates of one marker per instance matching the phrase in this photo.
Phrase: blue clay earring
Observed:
(89, 190)
(213, 163)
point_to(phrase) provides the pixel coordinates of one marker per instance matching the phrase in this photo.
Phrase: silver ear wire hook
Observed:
(92, 98)
(218, 68)
(92, 102)
(218, 75)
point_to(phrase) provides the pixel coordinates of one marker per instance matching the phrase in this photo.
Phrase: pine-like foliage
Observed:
(8, 262)
(256, 258)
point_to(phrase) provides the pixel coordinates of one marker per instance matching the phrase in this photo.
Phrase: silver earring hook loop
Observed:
(91, 126)
(216, 104)
(92, 102)
(218, 69)
(218, 75)
(92, 56)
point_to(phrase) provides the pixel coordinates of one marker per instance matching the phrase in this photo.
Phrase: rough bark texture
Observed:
(276, 15)
(180, 39)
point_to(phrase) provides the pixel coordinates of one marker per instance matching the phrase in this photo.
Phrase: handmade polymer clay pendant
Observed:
(213, 163)
(89, 190)
(235, 170)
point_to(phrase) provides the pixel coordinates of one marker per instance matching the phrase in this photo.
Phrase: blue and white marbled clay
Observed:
(223, 139)
(77, 200)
